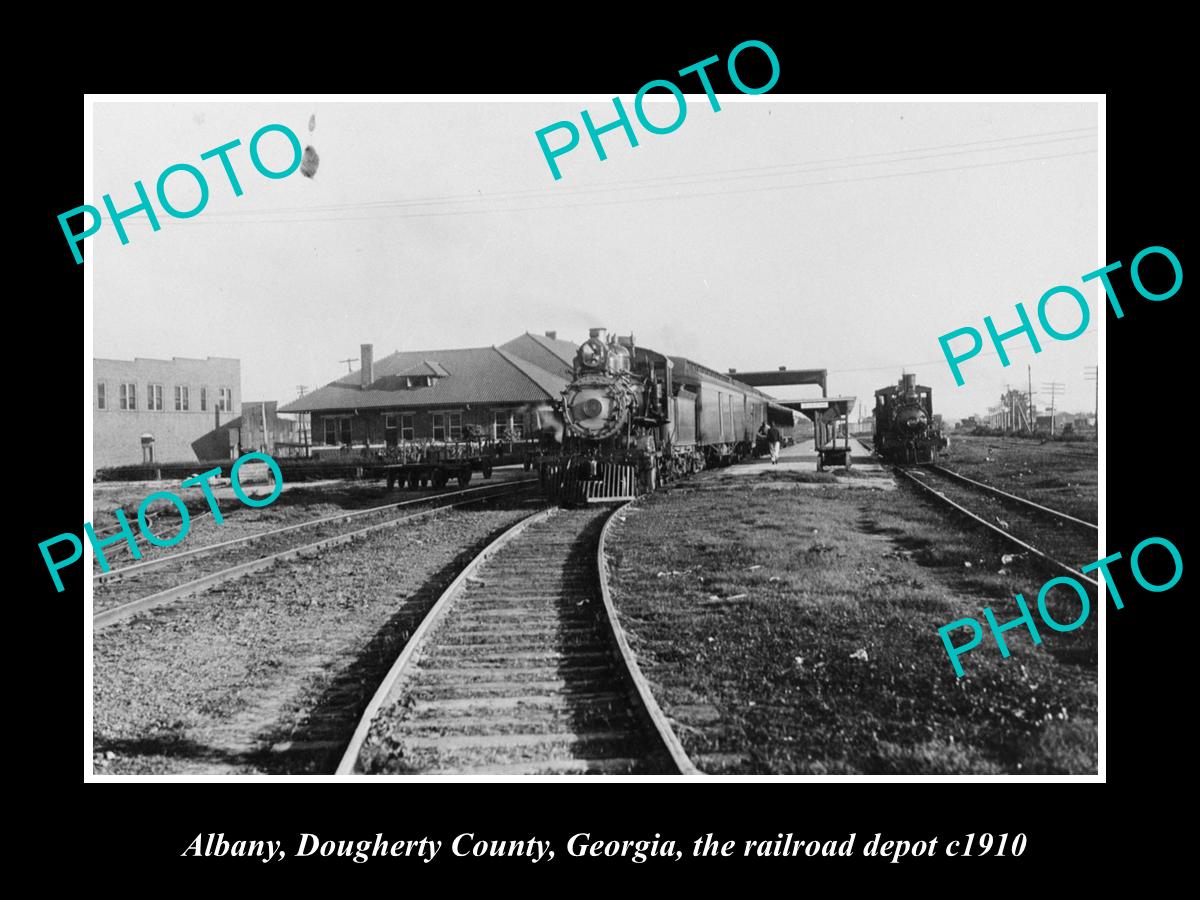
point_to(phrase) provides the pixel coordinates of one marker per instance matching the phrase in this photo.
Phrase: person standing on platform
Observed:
(774, 439)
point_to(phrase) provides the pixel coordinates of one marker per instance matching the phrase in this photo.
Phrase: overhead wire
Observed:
(680, 180)
(621, 201)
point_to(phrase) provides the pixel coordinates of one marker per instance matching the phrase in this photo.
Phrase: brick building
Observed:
(163, 410)
(439, 394)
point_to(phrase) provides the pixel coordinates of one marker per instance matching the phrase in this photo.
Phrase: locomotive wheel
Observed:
(464, 478)
(413, 480)
(487, 469)
(440, 477)
(391, 481)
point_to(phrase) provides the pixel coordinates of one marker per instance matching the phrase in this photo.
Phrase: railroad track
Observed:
(150, 565)
(521, 667)
(1040, 523)
(166, 588)
(1029, 504)
(153, 519)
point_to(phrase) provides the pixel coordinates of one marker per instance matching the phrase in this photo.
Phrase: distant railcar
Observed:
(906, 430)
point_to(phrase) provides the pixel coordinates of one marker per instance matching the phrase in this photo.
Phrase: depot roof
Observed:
(474, 375)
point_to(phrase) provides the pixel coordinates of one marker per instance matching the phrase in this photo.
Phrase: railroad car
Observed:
(632, 418)
(906, 430)
(434, 463)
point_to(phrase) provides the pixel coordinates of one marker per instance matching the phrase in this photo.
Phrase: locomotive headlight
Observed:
(592, 354)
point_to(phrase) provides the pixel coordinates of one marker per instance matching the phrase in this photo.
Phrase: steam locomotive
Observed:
(906, 430)
(633, 419)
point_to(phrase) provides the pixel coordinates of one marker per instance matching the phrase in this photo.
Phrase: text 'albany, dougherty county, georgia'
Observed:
(622, 120)
(125, 533)
(1026, 327)
(144, 205)
(1026, 618)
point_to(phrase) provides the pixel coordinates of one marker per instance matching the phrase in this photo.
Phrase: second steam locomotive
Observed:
(906, 430)
(634, 418)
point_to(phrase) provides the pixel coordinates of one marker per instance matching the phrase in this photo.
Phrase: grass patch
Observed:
(806, 630)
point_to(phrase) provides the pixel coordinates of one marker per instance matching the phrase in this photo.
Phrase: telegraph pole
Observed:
(349, 364)
(300, 389)
(1029, 397)
(1092, 373)
(1055, 388)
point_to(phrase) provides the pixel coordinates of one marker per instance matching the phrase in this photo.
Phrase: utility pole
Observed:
(1092, 373)
(1029, 398)
(301, 388)
(1055, 388)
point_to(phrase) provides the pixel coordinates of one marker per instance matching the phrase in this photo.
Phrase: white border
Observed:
(89, 313)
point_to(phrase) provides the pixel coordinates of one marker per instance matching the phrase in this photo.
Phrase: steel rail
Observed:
(118, 613)
(1000, 531)
(141, 538)
(138, 568)
(639, 694)
(349, 761)
(641, 686)
(995, 490)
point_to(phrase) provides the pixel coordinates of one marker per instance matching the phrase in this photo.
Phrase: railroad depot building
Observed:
(163, 410)
(436, 395)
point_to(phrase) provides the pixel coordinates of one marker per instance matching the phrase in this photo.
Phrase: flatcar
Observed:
(906, 430)
(633, 418)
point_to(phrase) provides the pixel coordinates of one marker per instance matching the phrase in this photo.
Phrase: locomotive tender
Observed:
(906, 430)
(634, 418)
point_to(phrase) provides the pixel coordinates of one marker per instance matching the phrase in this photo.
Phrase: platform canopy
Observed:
(783, 376)
(826, 408)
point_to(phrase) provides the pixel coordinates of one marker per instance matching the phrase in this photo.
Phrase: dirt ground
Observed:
(271, 672)
(790, 626)
(1058, 474)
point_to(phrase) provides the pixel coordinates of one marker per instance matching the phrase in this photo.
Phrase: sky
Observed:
(845, 236)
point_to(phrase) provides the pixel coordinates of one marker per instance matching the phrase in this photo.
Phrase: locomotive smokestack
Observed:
(552, 334)
(368, 365)
(597, 333)
(909, 382)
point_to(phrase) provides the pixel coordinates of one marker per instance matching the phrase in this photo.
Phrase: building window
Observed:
(181, 398)
(344, 429)
(389, 429)
(128, 396)
(447, 426)
(508, 425)
(407, 432)
(154, 397)
(225, 399)
(101, 399)
(330, 430)
(203, 399)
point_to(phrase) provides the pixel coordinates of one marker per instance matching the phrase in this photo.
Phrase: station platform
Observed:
(802, 457)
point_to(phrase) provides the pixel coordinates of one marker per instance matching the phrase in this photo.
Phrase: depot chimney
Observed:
(368, 365)
(552, 334)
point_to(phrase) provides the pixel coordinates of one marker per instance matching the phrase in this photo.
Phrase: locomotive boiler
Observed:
(906, 430)
(633, 419)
